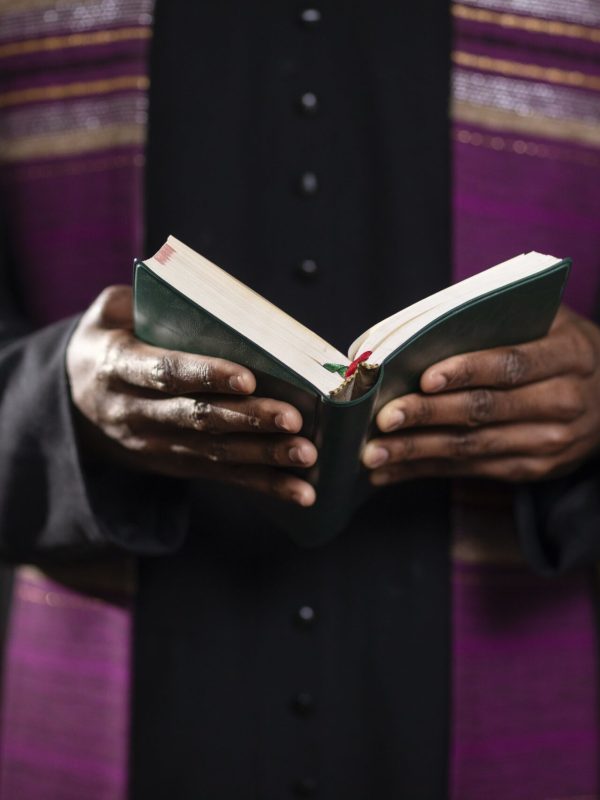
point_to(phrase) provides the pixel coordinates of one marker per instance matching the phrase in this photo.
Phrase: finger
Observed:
(558, 399)
(265, 480)
(272, 482)
(533, 439)
(509, 470)
(171, 371)
(272, 450)
(563, 351)
(207, 414)
(113, 308)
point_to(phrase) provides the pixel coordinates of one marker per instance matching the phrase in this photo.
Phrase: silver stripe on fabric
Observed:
(80, 115)
(526, 98)
(584, 12)
(66, 16)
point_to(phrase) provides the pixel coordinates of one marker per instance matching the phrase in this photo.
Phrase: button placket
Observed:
(307, 104)
(305, 787)
(310, 17)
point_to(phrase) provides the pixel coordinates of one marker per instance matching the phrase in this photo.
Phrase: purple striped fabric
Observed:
(526, 130)
(73, 104)
(65, 707)
(526, 113)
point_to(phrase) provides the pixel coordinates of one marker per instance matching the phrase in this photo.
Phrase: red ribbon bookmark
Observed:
(347, 371)
(352, 367)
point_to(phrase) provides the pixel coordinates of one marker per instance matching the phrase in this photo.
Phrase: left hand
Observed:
(519, 413)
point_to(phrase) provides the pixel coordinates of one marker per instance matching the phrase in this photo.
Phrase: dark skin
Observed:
(513, 414)
(179, 414)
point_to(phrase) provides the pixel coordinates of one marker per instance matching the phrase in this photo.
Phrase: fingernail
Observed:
(395, 420)
(437, 381)
(239, 383)
(375, 456)
(284, 421)
(380, 478)
(300, 455)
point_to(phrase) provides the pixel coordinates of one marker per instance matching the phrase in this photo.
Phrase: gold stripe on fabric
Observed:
(73, 40)
(28, 593)
(518, 69)
(21, 6)
(529, 24)
(116, 575)
(573, 130)
(35, 172)
(71, 143)
(522, 147)
(499, 550)
(78, 89)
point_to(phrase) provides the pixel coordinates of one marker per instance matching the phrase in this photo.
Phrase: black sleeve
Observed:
(51, 504)
(559, 520)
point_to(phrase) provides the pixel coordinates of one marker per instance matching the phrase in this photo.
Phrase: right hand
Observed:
(179, 414)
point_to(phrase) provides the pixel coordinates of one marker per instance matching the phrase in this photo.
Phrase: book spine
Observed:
(339, 479)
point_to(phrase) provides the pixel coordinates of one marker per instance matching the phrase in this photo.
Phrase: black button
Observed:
(310, 17)
(306, 617)
(309, 184)
(305, 787)
(309, 103)
(308, 270)
(303, 704)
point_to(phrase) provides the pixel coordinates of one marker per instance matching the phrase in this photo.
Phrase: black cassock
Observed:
(308, 153)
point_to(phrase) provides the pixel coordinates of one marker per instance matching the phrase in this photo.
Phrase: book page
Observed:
(385, 337)
(247, 312)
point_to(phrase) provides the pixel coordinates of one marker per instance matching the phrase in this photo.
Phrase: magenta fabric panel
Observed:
(525, 686)
(506, 204)
(70, 257)
(73, 106)
(73, 112)
(66, 695)
(525, 708)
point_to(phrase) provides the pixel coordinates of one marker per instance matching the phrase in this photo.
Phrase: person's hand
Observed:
(519, 413)
(179, 414)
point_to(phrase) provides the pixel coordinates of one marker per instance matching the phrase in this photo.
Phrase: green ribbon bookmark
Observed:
(339, 368)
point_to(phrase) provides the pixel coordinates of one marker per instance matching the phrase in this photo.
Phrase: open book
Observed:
(184, 302)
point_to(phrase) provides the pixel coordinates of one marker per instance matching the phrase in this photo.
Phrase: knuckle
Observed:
(275, 454)
(405, 447)
(570, 402)
(423, 412)
(556, 439)
(104, 301)
(525, 470)
(107, 309)
(480, 406)
(113, 350)
(163, 373)
(514, 367)
(116, 412)
(203, 417)
(255, 415)
(206, 374)
(463, 444)
(280, 487)
(216, 452)
(464, 373)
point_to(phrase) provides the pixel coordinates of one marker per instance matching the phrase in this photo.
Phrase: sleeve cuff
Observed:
(559, 521)
(52, 502)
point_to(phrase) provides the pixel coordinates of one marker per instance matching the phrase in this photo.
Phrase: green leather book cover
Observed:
(519, 312)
